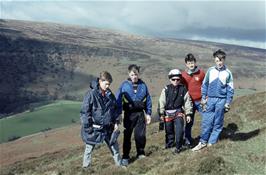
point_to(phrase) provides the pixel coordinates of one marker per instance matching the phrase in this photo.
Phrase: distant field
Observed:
(55, 115)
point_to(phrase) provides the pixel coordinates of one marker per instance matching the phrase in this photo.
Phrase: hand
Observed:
(119, 118)
(162, 118)
(226, 107)
(89, 130)
(148, 119)
(116, 127)
(188, 119)
(203, 104)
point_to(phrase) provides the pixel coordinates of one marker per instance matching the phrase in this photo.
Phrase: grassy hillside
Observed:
(58, 114)
(54, 115)
(241, 149)
(47, 61)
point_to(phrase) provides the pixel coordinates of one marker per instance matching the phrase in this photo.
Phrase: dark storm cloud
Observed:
(240, 22)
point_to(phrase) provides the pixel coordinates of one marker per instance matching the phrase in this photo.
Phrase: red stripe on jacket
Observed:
(193, 83)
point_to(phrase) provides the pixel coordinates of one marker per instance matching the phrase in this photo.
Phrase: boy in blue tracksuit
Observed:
(133, 97)
(217, 94)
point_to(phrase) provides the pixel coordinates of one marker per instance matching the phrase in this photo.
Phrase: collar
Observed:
(221, 69)
(138, 82)
(180, 84)
(190, 72)
(104, 93)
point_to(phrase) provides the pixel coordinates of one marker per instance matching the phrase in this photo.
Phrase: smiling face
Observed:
(219, 62)
(134, 76)
(191, 65)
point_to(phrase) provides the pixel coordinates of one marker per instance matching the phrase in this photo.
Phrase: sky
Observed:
(232, 22)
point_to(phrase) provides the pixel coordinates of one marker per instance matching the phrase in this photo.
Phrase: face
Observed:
(175, 81)
(104, 84)
(191, 65)
(219, 63)
(134, 76)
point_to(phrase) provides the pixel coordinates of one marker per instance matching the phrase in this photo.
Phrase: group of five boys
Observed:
(189, 91)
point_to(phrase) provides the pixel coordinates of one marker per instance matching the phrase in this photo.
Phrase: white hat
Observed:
(174, 73)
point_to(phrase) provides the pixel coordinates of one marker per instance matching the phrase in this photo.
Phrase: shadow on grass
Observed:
(230, 132)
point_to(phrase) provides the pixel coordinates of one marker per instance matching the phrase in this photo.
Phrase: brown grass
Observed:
(61, 150)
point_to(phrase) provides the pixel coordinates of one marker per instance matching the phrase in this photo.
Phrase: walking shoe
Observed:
(124, 162)
(187, 146)
(209, 145)
(122, 166)
(188, 143)
(141, 156)
(199, 146)
(177, 151)
(85, 168)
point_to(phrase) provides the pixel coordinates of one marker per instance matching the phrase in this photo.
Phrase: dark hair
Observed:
(190, 57)
(134, 68)
(106, 76)
(220, 54)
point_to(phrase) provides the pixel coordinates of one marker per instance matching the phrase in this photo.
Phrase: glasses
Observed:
(175, 79)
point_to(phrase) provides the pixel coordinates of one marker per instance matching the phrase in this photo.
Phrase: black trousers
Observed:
(174, 131)
(134, 121)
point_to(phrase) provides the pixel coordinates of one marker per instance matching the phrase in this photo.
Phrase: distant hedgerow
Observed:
(12, 138)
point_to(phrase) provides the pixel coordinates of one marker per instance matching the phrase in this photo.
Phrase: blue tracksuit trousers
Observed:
(212, 120)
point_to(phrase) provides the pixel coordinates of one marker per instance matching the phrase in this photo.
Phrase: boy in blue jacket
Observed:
(133, 97)
(217, 94)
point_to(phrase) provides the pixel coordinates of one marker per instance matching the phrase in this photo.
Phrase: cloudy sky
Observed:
(234, 22)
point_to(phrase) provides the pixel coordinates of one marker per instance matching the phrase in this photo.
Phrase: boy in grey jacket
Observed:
(175, 108)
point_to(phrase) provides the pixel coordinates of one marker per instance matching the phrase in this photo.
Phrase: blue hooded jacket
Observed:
(98, 110)
(126, 94)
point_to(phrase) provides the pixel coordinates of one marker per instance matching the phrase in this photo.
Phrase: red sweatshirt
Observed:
(193, 83)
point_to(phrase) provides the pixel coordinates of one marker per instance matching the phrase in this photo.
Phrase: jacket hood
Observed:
(94, 84)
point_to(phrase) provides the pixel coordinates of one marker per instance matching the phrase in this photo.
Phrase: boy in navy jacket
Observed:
(99, 118)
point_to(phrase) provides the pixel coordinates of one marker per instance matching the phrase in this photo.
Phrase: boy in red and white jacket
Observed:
(193, 77)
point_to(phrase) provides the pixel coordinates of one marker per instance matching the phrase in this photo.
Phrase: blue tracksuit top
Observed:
(218, 83)
(126, 89)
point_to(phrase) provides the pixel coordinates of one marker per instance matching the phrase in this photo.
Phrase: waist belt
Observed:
(173, 114)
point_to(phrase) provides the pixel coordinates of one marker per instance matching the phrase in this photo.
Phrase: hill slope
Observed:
(241, 149)
(47, 61)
